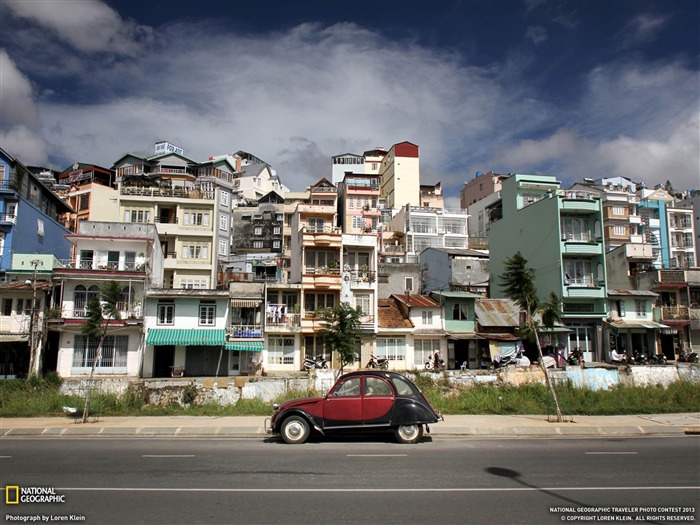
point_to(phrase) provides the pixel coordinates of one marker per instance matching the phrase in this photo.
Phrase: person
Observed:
(436, 359)
(617, 357)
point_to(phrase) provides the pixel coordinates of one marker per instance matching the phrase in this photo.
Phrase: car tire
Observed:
(295, 430)
(409, 434)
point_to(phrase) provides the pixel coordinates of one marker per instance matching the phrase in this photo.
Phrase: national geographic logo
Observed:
(14, 495)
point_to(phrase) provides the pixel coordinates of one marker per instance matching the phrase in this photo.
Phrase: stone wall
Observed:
(228, 390)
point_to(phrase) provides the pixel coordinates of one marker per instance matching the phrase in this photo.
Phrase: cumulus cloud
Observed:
(88, 25)
(16, 94)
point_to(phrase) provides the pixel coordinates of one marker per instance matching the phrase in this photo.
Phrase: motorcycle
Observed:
(575, 357)
(498, 363)
(317, 362)
(686, 356)
(382, 363)
(619, 359)
(639, 358)
(431, 365)
(657, 359)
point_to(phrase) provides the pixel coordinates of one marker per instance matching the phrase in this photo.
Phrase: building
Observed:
(459, 324)
(347, 162)
(400, 175)
(82, 184)
(428, 336)
(559, 233)
(29, 214)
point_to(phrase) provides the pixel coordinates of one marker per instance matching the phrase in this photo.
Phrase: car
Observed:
(359, 401)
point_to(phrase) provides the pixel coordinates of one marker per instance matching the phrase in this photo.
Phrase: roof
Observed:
(652, 325)
(424, 301)
(389, 315)
(497, 312)
(632, 293)
(456, 295)
(464, 252)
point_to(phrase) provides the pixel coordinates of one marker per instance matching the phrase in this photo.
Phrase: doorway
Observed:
(163, 359)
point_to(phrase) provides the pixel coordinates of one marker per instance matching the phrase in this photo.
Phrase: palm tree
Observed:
(341, 331)
(95, 327)
(518, 283)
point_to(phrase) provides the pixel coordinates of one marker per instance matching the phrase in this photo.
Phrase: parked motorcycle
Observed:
(686, 356)
(575, 357)
(317, 362)
(431, 365)
(619, 359)
(374, 362)
(657, 359)
(639, 358)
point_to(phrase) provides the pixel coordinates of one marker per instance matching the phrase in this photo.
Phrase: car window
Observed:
(349, 387)
(375, 386)
(403, 387)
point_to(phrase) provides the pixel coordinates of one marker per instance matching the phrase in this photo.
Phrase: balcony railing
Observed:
(578, 237)
(246, 331)
(322, 270)
(73, 264)
(362, 276)
(180, 193)
(8, 217)
(581, 280)
(675, 313)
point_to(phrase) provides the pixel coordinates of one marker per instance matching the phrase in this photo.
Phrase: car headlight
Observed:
(275, 406)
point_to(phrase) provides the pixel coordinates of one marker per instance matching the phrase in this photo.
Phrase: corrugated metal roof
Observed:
(631, 293)
(424, 301)
(497, 312)
(184, 337)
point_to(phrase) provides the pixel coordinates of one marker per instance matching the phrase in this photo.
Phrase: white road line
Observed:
(418, 490)
(611, 453)
(5, 457)
(168, 456)
(377, 455)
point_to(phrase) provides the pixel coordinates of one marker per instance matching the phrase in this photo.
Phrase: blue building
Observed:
(28, 215)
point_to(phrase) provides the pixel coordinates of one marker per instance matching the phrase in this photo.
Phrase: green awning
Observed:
(182, 337)
(245, 346)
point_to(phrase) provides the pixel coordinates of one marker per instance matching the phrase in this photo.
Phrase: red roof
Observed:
(418, 300)
(389, 315)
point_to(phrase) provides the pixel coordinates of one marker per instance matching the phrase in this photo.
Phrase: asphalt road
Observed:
(184, 481)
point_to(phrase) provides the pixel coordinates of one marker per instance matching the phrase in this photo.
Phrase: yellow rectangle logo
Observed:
(8, 490)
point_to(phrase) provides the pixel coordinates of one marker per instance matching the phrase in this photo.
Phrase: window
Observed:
(375, 386)
(351, 203)
(424, 350)
(40, 227)
(82, 296)
(129, 260)
(460, 312)
(578, 272)
(112, 355)
(137, 215)
(195, 251)
(224, 198)
(620, 230)
(317, 301)
(277, 230)
(392, 348)
(193, 284)
(640, 308)
(196, 218)
(409, 284)
(280, 350)
(223, 222)
(348, 388)
(166, 313)
(2, 242)
(223, 247)
(427, 317)
(363, 302)
(276, 244)
(258, 230)
(84, 201)
(257, 244)
(207, 314)
(618, 210)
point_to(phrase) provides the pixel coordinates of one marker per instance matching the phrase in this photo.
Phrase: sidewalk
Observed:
(453, 426)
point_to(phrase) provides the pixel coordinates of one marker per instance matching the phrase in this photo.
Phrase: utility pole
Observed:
(34, 333)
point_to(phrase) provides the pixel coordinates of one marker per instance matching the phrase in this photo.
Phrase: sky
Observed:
(571, 89)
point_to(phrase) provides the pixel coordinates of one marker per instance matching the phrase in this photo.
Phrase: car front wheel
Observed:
(409, 433)
(295, 429)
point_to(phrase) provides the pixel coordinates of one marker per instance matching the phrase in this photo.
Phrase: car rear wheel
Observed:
(409, 433)
(295, 429)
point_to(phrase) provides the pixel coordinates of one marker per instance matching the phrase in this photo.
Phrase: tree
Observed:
(341, 331)
(518, 283)
(95, 327)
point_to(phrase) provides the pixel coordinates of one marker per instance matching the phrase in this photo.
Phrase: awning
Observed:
(625, 325)
(245, 303)
(8, 338)
(459, 337)
(545, 330)
(182, 337)
(245, 346)
(500, 337)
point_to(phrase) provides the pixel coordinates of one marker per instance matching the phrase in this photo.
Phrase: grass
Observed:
(36, 397)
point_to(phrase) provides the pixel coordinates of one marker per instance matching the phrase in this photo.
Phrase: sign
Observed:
(166, 147)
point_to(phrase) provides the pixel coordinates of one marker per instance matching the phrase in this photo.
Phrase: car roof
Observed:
(382, 373)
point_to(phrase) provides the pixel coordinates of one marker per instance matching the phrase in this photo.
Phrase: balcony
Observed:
(107, 266)
(7, 218)
(278, 321)
(361, 278)
(321, 277)
(176, 193)
(673, 313)
(246, 331)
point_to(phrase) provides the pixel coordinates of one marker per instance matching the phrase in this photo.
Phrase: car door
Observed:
(377, 401)
(343, 405)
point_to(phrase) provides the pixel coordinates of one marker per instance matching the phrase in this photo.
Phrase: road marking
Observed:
(370, 490)
(611, 453)
(5, 457)
(377, 455)
(167, 456)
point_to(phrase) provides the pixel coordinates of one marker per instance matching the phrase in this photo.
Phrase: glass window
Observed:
(113, 352)
(280, 350)
(375, 386)
(427, 317)
(224, 198)
(166, 314)
(460, 312)
(207, 315)
(348, 388)
(392, 348)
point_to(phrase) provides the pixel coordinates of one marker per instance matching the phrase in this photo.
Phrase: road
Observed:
(369, 480)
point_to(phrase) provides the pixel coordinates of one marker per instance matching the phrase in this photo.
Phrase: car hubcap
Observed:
(408, 431)
(294, 430)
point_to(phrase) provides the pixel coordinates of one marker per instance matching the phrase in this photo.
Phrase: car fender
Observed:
(296, 411)
(409, 411)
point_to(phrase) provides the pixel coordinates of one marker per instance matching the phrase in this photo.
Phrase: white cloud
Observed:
(537, 34)
(87, 25)
(25, 145)
(643, 27)
(16, 96)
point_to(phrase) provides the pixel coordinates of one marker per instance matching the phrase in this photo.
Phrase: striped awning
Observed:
(183, 337)
(245, 303)
(245, 346)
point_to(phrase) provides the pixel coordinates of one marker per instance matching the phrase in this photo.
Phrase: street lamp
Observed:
(33, 335)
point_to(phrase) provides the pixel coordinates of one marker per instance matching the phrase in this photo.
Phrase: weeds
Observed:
(36, 397)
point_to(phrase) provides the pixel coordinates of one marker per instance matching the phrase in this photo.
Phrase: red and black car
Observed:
(359, 401)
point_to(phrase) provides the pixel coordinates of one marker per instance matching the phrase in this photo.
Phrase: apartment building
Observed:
(90, 191)
(400, 175)
(559, 233)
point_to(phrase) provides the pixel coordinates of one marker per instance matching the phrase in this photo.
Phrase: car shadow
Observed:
(363, 437)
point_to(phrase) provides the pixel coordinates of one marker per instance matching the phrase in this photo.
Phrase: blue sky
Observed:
(571, 89)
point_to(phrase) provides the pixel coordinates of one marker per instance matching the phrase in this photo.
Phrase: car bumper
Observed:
(268, 425)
